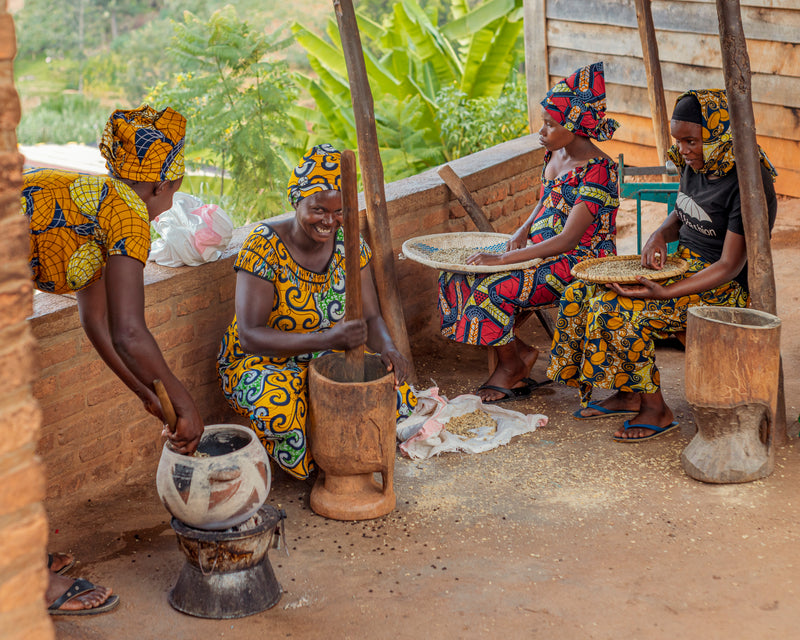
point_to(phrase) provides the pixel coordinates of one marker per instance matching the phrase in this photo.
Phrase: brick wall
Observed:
(23, 524)
(95, 431)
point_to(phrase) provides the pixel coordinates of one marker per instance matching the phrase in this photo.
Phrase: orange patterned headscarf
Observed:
(318, 170)
(144, 144)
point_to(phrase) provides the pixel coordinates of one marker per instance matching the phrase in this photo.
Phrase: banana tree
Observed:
(409, 62)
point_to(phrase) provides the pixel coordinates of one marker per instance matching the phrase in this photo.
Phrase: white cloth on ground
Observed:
(424, 433)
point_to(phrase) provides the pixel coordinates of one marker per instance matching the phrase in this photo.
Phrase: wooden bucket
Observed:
(351, 432)
(732, 368)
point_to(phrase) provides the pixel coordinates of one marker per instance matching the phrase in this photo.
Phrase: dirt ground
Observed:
(560, 534)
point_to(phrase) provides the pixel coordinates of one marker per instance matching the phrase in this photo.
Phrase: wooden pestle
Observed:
(354, 358)
(170, 417)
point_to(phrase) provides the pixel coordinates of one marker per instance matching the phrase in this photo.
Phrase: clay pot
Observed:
(222, 487)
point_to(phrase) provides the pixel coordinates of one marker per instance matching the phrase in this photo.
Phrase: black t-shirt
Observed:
(708, 209)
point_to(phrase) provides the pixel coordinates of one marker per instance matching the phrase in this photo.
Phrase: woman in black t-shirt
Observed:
(604, 336)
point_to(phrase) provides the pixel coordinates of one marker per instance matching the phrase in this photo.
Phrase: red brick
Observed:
(171, 336)
(61, 407)
(456, 210)
(106, 388)
(157, 315)
(193, 303)
(20, 540)
(44, 387)
(19, 368)
(22, 484)
(101, 447)
(227, 289)
(59, 351)
(19, 424)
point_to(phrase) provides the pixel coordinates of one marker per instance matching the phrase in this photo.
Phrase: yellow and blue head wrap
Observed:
(318, 170)
(144, 145)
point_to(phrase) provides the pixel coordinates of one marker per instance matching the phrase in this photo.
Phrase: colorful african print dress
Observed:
(479, 309)
(272, 391)
(605, 340)
(75, 222)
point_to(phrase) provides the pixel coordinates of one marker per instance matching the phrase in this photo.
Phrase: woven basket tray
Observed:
(624, 269)
(448, 251)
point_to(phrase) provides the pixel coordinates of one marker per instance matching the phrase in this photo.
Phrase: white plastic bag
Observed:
(192, 233)
(424, 433)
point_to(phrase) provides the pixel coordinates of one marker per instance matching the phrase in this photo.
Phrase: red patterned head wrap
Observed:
(578, 103)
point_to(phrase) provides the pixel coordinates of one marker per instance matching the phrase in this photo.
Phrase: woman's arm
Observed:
(578, 222)
(379, 339)
(734, 255)
(93, 313)
(138, 350)
(254, 300)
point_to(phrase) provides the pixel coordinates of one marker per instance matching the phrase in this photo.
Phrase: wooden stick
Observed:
(655, 84)
(463, 195)
(354, 358)
(372, 176)
(760, 274)
(166, 405)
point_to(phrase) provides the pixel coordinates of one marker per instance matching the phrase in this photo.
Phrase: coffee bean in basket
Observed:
(459, 255)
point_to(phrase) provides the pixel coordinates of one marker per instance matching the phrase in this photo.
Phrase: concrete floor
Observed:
(560, 534)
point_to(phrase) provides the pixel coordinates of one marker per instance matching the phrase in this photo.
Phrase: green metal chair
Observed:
(666, 192)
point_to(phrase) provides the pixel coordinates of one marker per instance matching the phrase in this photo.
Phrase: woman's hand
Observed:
(488, 259)
(347, 334)
(654, 253)
(646, 289)
(519, 240)
(395, 361)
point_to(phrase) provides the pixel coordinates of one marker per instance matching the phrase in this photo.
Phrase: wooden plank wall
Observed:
(579, 32)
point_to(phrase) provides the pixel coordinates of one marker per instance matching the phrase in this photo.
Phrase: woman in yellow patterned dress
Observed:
(290, 307)
(90, 235)
(604, 338)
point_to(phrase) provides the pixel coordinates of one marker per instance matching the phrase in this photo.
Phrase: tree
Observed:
(411, 64)
(236, 103)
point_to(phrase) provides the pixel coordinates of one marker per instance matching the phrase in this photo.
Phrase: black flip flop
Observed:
(80, 586)
(516, 393)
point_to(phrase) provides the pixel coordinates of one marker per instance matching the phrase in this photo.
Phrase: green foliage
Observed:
(412, 63)
(64, 118)
(469, 125)
(236, 102)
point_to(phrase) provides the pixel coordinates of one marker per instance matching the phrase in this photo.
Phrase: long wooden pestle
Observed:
(354, 358)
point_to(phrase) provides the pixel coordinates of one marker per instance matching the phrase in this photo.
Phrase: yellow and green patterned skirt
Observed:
(606, 341)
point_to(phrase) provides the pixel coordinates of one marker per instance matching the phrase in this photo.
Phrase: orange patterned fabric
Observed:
(144, 144)
(75, 222)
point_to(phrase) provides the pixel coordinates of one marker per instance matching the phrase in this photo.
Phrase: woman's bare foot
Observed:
(620, 401)
(58, 585)
(514, 363)
(652, 411)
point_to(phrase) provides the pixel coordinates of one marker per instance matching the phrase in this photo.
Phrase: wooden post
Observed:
(760, 274)
(655, 84)
(537, 72)
(372, 175)
(354, 358)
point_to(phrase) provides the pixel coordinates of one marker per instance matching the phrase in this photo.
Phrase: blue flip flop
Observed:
(604, 413)
(657, 431)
